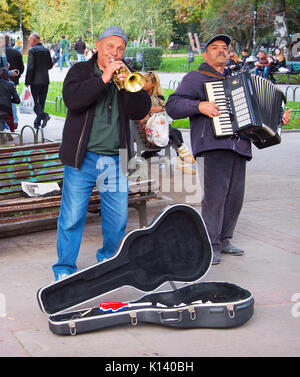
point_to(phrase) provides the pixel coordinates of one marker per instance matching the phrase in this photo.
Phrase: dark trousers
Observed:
(39, 94)
(224, 183)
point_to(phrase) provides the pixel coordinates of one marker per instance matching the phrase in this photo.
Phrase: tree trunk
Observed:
(280, 28)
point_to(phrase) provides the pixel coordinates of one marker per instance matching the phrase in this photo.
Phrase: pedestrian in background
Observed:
(15, 60)
(37, 76)
(64, 52)
(79, 47)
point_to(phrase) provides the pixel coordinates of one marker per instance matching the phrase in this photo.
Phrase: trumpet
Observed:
(134, 82)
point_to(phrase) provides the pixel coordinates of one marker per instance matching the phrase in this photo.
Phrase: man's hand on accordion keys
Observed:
(286, 117)
(209, 108)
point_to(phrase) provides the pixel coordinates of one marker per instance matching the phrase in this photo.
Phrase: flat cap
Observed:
(218, 37)
(113, 31)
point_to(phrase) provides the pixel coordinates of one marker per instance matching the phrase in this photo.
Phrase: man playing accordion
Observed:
(223, 166)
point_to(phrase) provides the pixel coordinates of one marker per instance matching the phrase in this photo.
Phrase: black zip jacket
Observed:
(15, 59)
(81, 89)
(8, 94)
(38, 64)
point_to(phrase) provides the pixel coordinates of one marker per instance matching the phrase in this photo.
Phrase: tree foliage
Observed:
(154, 21)
(10, 15)
(149, 19)
(236, 18)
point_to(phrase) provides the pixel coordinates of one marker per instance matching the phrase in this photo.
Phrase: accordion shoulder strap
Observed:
(211, 74)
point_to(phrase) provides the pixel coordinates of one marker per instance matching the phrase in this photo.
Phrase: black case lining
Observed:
(174, 247)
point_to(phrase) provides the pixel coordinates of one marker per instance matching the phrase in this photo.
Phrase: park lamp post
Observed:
(21, 32)
(254, 28)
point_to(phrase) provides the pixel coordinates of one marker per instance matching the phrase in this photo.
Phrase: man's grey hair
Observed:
(35, 35)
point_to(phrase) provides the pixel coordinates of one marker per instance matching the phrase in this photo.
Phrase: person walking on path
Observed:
(37, 77)
(80, 47)
(64, 52)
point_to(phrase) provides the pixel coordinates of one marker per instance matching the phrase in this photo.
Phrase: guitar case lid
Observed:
(174, 247)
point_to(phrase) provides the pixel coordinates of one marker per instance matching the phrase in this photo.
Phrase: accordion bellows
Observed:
(250, 106)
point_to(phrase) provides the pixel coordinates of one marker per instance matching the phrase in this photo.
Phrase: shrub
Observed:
(152, 57)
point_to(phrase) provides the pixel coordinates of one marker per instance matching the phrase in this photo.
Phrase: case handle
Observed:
(171, 320)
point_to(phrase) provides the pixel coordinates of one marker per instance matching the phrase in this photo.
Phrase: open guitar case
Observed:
(174, 248)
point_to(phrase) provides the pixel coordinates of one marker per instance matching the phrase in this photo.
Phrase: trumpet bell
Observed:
(134, 82)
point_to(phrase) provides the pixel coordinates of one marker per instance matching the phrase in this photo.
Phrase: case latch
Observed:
(133, 318)
(72, 326)
(192, 312)
(230, 309)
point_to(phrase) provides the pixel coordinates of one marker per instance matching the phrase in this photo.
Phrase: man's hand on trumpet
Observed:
(110, 69)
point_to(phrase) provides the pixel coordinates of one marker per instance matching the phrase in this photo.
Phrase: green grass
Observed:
(179, 64)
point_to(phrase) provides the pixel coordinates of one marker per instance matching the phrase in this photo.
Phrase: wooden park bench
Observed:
(40, 163)
(292, 77)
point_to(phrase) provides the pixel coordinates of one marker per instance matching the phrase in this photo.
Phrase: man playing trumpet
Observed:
(95, 130)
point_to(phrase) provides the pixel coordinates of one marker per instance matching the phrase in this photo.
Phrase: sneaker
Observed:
(232, 250)
(184, 167)
(61, 276)
(185, 154)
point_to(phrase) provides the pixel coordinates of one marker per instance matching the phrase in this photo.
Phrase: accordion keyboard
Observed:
(242, 115)
(215, 92)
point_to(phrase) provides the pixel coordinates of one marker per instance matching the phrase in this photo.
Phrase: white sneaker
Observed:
(185, 154)
(62, 276)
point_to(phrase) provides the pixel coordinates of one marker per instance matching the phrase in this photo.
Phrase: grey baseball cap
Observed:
(218, 37)
(113, 31)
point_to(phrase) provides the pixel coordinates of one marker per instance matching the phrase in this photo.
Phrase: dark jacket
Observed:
(184, 103)
(81, 89)
(14, 58)
(79, 46)
(38, 64)
(8, 94)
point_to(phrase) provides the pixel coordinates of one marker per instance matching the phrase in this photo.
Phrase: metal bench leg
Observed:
(141, 207)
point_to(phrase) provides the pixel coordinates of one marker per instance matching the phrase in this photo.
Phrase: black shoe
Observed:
(45, 121)
(232, 250)
(36, 126)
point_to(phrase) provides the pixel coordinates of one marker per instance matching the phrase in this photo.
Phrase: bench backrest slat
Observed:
(31, 163)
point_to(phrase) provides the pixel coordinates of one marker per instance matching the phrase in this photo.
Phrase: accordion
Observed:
(250, 106)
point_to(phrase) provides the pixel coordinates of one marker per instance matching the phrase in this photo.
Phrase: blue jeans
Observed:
(104, 172)
(15, 114)
(64, 57)
(80, 57)
(265, 70)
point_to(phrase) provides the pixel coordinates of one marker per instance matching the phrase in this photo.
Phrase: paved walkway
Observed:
(268, 229)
